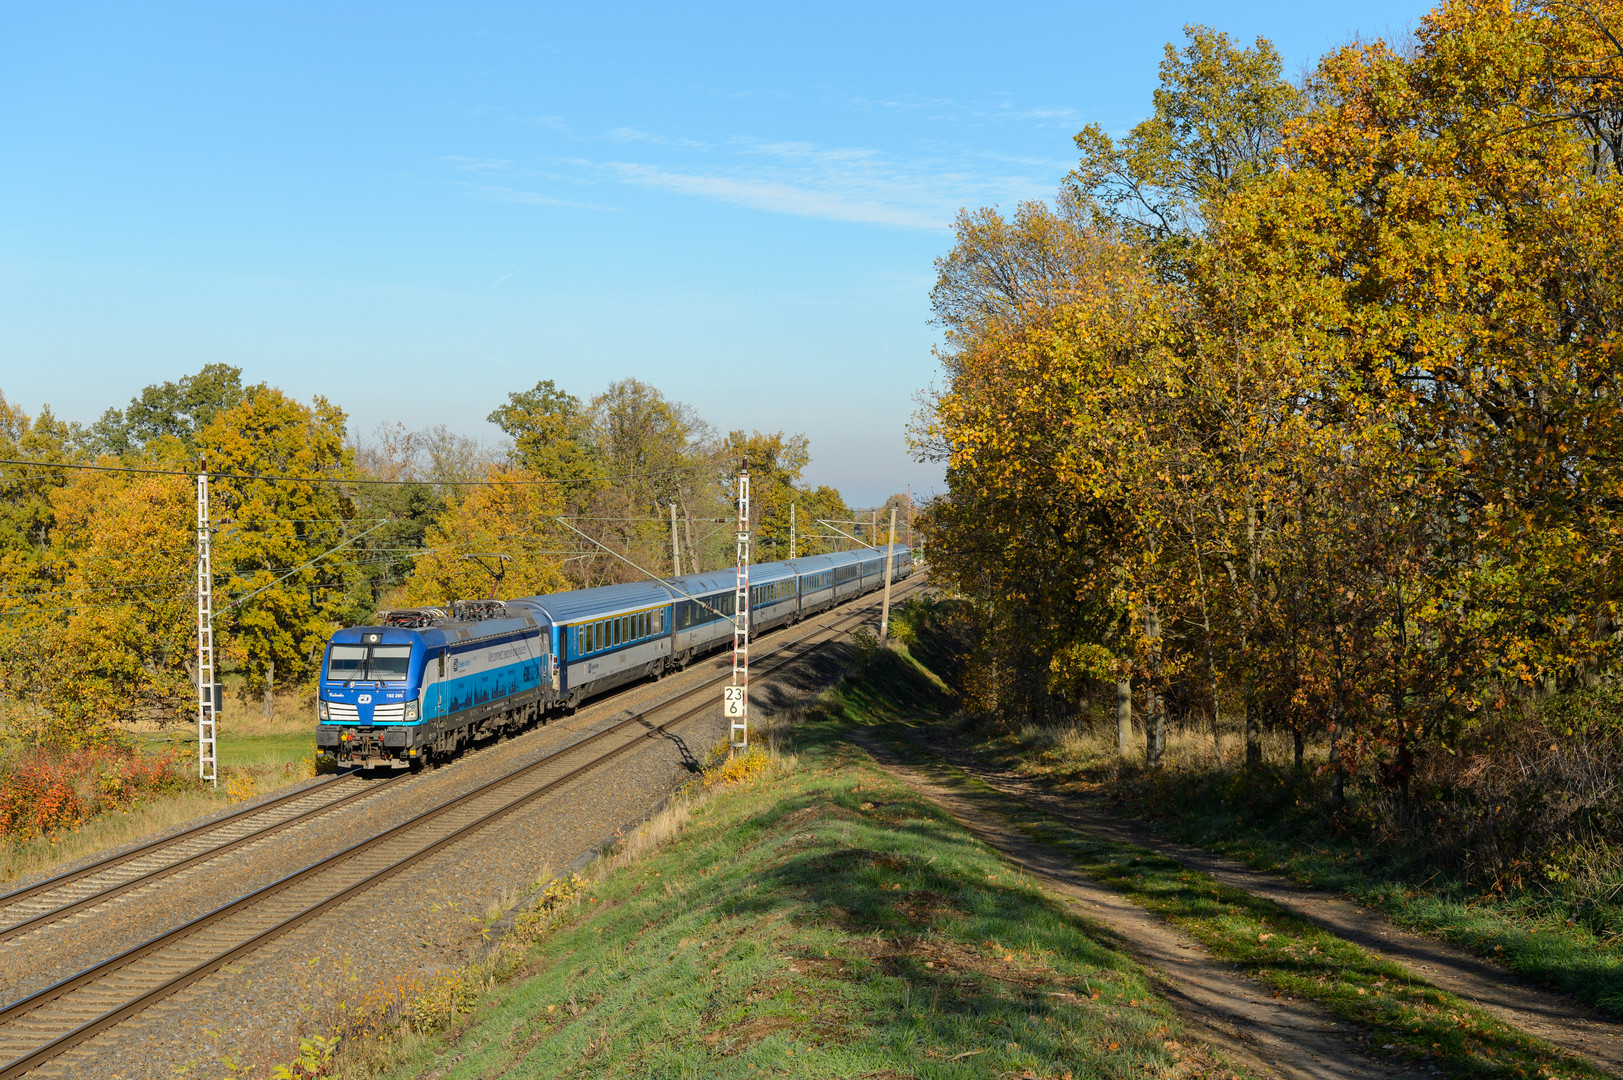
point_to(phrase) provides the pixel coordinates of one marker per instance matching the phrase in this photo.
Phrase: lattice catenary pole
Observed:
(207, 765)
(791, 530)
(676, 552)
(890, 564)
(736, 696)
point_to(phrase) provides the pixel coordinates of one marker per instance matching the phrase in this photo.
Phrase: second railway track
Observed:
(44, 902)
(48, 1023)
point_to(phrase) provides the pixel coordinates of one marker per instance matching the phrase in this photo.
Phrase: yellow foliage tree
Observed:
(511, 515)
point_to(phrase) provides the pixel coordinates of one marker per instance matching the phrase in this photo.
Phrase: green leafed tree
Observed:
(179, 409)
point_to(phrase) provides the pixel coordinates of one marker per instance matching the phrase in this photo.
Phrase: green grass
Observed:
(1266, 822)
(264, 751)
(822, 921)
(1402, 1015)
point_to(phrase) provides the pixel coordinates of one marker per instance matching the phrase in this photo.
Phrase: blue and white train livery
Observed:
(426, 681)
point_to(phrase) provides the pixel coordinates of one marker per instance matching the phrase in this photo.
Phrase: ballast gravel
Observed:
(432, 917)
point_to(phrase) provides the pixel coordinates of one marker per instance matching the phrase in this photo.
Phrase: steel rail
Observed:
(63, 911)
(163, 841)
(108, 1018)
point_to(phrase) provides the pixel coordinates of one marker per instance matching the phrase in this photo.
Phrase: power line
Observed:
(360, 480)
(96, 607)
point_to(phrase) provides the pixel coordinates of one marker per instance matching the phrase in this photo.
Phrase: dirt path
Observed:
(1548, 1015)
(1275, 1036)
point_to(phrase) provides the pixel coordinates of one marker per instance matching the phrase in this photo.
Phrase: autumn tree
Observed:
(178, 410)
(497, 538)
(285, 562)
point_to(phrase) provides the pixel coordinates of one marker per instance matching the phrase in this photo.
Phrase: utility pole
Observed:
(873, 527)
(735, 698)
(910, 517)
(791, 531)
(890, 561)
(676, 555)
(207, 763)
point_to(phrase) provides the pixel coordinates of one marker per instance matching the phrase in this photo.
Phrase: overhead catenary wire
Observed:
(358, 480)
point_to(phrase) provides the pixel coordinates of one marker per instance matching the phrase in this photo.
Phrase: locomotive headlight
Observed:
(321, 710)
(411, 712)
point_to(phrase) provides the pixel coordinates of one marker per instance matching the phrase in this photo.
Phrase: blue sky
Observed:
(415, 209)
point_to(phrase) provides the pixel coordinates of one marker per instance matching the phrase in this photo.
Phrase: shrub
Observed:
(49, 790)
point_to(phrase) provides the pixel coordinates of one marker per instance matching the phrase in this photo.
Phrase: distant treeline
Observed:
(98, 566)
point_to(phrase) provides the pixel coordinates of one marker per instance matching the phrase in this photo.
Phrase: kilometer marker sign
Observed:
(732, 699)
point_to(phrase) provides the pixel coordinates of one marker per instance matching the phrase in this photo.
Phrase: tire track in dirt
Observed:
(1551, 1016)
(1275, 1036)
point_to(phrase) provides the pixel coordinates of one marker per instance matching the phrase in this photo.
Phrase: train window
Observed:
(597, 636)
(643, 620)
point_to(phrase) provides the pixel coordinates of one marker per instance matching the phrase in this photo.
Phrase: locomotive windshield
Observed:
(379, 663)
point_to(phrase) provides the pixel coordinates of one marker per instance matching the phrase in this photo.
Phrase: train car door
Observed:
(439, 686)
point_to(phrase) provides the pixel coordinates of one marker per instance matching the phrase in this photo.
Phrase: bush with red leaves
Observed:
(49, 790)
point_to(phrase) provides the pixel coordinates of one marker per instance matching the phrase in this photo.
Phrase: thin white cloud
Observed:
(637, 135)
(922, 187)
(497, 193)
(855, 184)
(484, 165)
(782, 198)
(552, 123)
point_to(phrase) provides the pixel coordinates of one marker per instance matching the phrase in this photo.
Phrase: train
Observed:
(422, 683)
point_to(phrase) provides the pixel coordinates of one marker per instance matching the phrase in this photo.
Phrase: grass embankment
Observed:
(1400, 1014)
(1273, 820)
(1512, 871)
(819, 921)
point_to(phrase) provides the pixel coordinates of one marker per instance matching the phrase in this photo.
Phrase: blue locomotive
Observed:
(428, 681)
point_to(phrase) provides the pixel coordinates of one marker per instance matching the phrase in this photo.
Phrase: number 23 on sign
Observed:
(732, 699)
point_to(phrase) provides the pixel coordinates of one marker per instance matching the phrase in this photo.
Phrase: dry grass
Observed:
(1187, 747)
(246, 733)
(115, 830)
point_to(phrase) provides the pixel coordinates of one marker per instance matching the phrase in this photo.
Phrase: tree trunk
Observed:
(1253, 735)
(269, 708)
(1124, 716)
(1155, 730)
(1297, 734)
(1338, 788)
(1154, 708)
(1253, 729)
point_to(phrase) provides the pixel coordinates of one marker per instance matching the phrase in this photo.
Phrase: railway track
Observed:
(50, 1022)
(37, 905)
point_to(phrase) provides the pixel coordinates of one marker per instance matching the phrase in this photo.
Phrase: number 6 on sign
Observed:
(732, 698)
